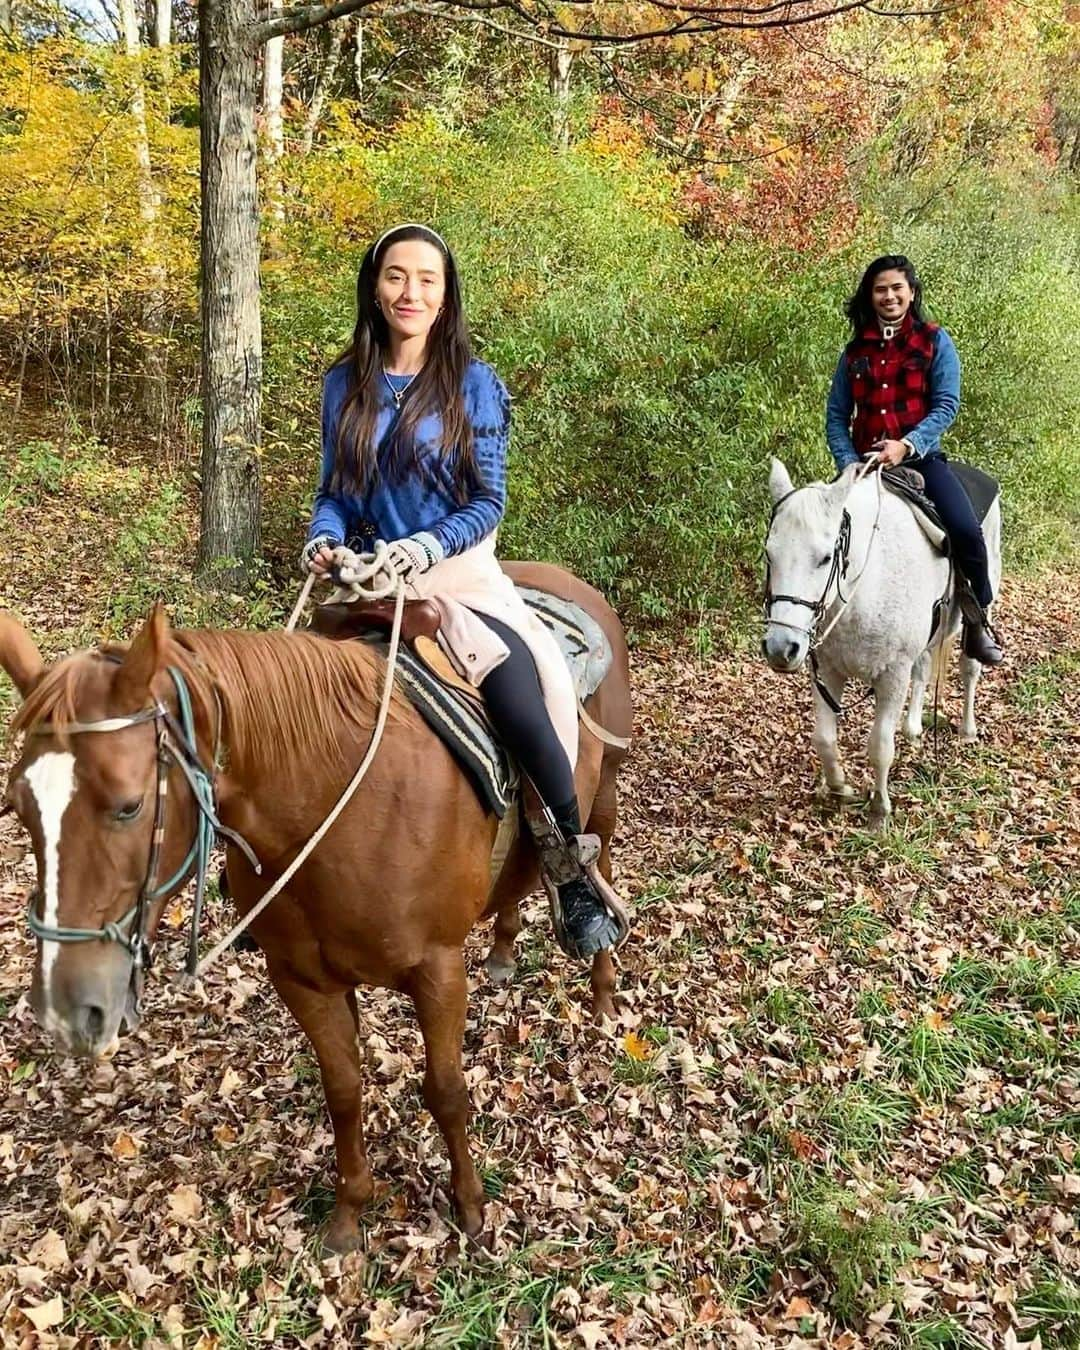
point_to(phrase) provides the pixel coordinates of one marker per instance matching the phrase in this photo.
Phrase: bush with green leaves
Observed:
(653, 375)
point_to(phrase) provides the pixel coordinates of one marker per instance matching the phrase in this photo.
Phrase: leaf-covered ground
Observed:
(841, 1106)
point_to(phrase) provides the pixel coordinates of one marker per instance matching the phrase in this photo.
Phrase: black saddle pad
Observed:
(981, 488)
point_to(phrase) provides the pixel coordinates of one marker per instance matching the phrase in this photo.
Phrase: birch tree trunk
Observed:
(230, 536)
(559, 67)
(162, 23)
(273, 126)
(335, 37)
(152, 390)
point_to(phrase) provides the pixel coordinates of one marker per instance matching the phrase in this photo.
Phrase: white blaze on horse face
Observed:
(51, 778)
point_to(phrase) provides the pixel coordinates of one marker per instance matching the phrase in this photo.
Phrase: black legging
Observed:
(515, 704)
(961, 524)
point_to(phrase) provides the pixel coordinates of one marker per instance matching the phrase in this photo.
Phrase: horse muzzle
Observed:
(84, 1004)
(784, 650)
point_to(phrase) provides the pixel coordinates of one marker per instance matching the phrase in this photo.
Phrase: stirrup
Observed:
(562, 861)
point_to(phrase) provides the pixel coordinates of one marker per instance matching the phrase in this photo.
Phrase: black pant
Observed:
(961, 524)
(516, 706)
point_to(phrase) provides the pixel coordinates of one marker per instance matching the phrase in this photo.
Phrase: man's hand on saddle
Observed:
(889, 453)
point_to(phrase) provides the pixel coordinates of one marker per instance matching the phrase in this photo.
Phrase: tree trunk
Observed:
(335, 37)
(7, 27)
(152, 386)
(162, 23)
(358, 60)
(232, 329)
(273, 127)
(561, 59)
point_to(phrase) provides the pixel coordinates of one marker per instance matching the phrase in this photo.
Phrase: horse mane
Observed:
(57, 695)
(286, 697)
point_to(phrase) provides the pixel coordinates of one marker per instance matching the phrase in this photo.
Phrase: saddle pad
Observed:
(459, 721)
(982, 491)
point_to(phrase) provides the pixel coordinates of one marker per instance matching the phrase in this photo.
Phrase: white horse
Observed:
(851, 583)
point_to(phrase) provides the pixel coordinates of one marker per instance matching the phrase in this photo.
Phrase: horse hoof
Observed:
(342, 1235)
(879, 821)
(603, 1009)
(499, 971)
(471, 1222)
(969, 737)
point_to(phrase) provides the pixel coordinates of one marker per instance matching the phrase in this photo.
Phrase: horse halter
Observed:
(838, 571)
(176, 745)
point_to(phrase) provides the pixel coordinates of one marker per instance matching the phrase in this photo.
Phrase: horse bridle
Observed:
(176, 745)
(838, 571)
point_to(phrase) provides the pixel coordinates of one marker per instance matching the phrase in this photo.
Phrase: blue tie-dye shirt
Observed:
(426, 500)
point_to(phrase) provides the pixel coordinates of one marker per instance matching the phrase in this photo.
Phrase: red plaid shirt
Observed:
(890, 381)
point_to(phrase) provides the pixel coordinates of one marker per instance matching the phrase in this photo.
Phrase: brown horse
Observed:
(387, 898)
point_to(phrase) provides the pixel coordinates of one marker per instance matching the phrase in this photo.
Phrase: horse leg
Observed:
(330, 1023)
(970, 670)
(920, 678)
(889, 700)
(499, 962)
(835, 787)
(439, 992)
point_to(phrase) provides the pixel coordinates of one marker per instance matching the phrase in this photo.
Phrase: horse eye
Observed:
(129, 811)
(826, 560)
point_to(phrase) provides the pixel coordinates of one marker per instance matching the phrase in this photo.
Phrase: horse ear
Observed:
(145, 657)
(779, 481)
(19, 656)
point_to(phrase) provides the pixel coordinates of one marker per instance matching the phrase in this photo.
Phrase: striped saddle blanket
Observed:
(460, 722)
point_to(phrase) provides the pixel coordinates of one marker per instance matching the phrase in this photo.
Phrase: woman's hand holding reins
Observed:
(414, 555)
(890, 453)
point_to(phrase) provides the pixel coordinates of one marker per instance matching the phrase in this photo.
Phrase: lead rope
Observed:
(374, 564)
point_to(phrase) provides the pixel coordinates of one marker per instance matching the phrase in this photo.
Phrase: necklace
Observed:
(397, 394)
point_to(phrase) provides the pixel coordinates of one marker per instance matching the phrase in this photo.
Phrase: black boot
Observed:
(981, 642)
(587, 927)
(585, 919)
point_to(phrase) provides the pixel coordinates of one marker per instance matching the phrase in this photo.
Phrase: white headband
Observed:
(408, 225)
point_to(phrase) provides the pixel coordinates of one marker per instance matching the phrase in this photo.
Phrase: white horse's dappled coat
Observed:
(874, 622)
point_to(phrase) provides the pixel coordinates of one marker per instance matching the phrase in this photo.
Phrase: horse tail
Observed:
(940, 662)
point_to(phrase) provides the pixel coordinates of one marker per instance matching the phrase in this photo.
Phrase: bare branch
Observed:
(691, 18)
(307, 16)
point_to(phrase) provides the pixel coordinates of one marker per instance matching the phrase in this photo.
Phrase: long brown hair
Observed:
(437, 388)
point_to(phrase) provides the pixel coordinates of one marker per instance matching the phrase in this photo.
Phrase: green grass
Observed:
(110, 1319)
(857, 927)
(510, 1302)
(859, 1244)
(1053, 1305)
(1042, 683)
(908, 842)
(1060, 923)
(1036, 984)
(238, 1318)
(863, 1120)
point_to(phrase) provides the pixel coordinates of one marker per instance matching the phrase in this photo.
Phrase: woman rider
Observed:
(414, 438)
(895, 391)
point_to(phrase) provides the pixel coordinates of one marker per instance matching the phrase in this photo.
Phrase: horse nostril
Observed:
(89, 1022)
(764, 647)
(791, 652)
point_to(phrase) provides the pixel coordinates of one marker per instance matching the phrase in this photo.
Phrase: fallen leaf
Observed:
(46, 1315)
(185, 1204)
(49, 1251)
